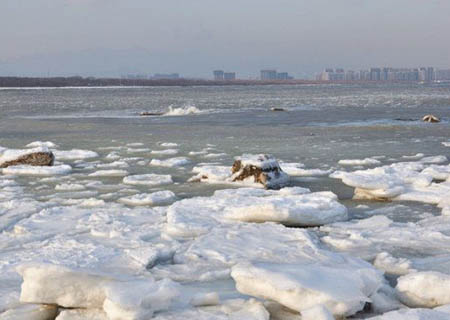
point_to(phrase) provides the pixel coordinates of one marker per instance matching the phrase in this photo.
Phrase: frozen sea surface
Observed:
(117, 211)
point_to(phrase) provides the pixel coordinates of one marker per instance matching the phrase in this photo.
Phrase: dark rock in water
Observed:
(146, 113)
(261, 169)
(405, 119)
(32, 159)
(431, 118)
(277, 109)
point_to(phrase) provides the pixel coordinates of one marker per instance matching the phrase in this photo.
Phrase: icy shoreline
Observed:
(118, 244)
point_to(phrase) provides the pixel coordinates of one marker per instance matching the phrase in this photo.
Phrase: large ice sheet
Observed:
(427, 239)
(290, 206)
(410, 181)
(343, 290)
(120, 298)
(424, 289)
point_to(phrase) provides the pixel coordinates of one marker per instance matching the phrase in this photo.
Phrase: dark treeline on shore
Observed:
(11, 82)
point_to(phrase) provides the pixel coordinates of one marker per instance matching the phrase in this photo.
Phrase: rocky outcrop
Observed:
(277, 109)
(31, 157)
(431, 118)
(263, 169)
(147, 113)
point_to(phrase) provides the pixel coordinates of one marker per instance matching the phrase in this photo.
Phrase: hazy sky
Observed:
(193, 37)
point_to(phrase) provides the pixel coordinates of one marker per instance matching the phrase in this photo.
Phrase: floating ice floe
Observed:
(289, 206)
(120, 299)
(150, 179)
(417, 156)
(115, 164)
(24, 170)
(301, 287)
(392, 265)
(251, 170)
(144, 199)
(74, 154)
(135, 144)
(214, 155)
(171, 162)
(297, 170)
(30, 312)
(373, 237)
(69, 187)
(47, 144)
(109, 173)
(446, 143)
(408, 181)
(415, 314)
(424, 289)
(165, 152)
(359, 162)
(168, 144)
(137, 150)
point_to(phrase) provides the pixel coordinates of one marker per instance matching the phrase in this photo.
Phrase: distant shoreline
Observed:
(61, 82)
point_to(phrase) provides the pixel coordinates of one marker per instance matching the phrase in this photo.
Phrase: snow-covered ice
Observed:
(171, 162)
(290, 206)
(165, 152)
(359, 162)
(74, 154)
(109, 173)
(155, 198)
(149, 179)
(300, 287)
(24, 170)
(424, 289)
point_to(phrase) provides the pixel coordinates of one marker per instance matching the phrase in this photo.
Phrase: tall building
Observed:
(229, 76)
(268, 74)
(283, 76)
(375, 74)
(218, 75)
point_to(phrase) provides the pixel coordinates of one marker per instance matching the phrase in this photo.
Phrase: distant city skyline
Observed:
(112, 38)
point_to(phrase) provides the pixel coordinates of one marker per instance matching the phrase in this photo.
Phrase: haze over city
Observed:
(112, 38)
